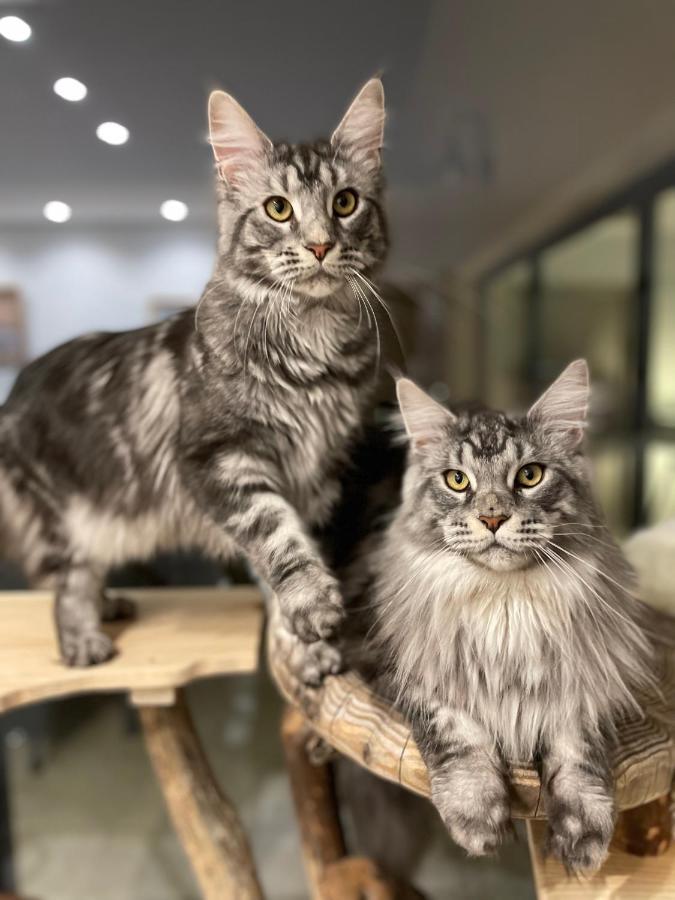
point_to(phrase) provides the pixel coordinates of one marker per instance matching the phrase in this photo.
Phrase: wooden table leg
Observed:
(331, 873)
(205, 820)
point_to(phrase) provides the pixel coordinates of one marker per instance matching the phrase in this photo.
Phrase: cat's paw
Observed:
(474, 807)
(315, 661)
(579, 833)
(88, 648)
(312, 606)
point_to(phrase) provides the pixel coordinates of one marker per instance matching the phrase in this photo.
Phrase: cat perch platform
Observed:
(177, 636)
(346, 715)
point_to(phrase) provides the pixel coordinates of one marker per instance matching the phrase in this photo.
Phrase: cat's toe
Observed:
(480, 835)
(477, 815)
(582, 851)
(319, 617)
(320, 659)
(87, 649)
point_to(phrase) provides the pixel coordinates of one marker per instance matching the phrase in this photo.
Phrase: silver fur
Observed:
(505, 645)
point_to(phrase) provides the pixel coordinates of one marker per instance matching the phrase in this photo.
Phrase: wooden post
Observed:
(645, 830)
(205, 820)
(314, 799)
(331, 873)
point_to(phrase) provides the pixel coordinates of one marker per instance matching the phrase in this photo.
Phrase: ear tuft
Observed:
(423, 417)
(563, 407)
(238, 144)
(361, 131)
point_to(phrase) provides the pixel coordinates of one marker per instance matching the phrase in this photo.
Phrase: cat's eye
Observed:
(344, 202)
(279, 209)
(456, 480)
(530, 475)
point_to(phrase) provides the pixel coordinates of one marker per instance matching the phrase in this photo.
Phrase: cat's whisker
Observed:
(576, 574)
(590, 565)
(380, 300)
(360, 304)
(242, 305)
(377, 327)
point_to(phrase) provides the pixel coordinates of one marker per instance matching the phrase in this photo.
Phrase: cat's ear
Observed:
(563, 408)
(425, 420)
(238, 144)
(361, 131)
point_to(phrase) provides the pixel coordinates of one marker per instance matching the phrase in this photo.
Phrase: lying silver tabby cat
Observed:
(502, 618)
(222, 429)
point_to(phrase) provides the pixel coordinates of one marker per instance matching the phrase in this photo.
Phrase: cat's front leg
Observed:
(579, 797)
(78, 613)
(468, 781)
(247, 501)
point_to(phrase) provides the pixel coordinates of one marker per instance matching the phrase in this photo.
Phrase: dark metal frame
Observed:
(638, 197)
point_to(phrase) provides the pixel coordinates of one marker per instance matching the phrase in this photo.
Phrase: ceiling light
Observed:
(174, 210)
(70, 89)
(14, 29)
(112, 133)
(57, 211)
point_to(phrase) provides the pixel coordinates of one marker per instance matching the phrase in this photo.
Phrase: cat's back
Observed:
(99, 410)
(96, 365)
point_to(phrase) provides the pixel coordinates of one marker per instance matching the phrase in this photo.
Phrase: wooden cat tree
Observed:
(183, 634)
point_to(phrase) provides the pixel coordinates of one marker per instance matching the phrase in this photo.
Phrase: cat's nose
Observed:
(493, 523)
(319, 250)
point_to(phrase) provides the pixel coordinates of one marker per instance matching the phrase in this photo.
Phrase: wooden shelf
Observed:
(178, 635)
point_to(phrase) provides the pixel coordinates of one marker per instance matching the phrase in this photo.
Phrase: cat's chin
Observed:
(320, 285)
(498, 558)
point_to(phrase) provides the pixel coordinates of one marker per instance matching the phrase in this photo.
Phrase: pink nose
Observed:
(492, 523)
(319, 250)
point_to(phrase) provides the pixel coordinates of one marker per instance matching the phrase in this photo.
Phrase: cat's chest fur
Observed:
(498, 646)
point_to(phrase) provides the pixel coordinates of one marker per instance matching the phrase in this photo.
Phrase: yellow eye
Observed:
(529, 475)
(456, 480)
(344, 202)
(279, 209)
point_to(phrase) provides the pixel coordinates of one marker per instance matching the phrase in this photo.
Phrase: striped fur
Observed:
(526, 642)
(221, 429)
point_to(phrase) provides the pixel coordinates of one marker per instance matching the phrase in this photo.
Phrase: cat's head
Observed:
(501, 491)
(300, 215)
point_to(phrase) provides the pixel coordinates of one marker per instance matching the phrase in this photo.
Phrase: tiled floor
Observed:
(90, 823)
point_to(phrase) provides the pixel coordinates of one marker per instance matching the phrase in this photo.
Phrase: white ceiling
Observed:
(494, 107)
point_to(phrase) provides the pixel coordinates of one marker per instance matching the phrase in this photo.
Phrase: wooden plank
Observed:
(179, 634)
(623, 876)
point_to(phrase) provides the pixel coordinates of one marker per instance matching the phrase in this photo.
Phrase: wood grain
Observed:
(623, 877)
(179, 634)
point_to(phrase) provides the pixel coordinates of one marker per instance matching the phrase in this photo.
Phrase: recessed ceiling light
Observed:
(174, 210)
(57, 211)
(112, 133)
(70, 89)
(15, 29)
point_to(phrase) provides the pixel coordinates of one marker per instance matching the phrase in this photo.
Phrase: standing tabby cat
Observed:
(222, 429)
(503, 617)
